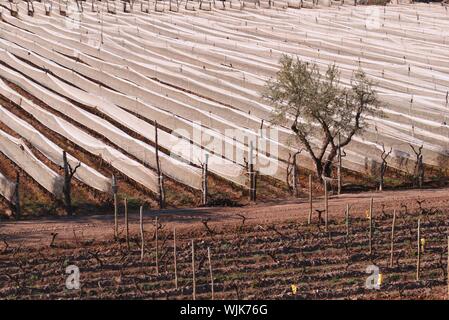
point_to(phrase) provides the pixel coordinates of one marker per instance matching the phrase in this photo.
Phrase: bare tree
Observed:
(316, 106)
(79, 4)
(340, 155)
(292, 173)
(15, 205)
(419, 166)
(69, 172)
(159, 171)
(48, 6)
(384, 165)
(127, 3)
(30, 7)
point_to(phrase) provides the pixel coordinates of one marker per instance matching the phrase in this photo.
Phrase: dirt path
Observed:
(38, 232)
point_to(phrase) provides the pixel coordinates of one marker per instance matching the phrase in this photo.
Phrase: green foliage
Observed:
(318, 106)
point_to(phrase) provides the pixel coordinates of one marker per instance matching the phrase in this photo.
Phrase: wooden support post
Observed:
(157, 247)
(174, 258)
(339, 166)
(251, 171)
(326, 204)
(30, 8)
(17, 212)
(420, 172)
(142, 237)
(251, 174)
(418, 260)
(371, 226)
(126, 222)
(310, 199)
(48, 8)
(114, 192)
(193, 272)
(67, 188)
(205, 185)
(80, 6)
(447, 93)
(210, 272)
(392, 238)
(347, 220)
(159, 172)
(295, 177)
(254, 186)
(161, 192)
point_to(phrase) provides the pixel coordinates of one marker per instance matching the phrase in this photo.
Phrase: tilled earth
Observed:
(257, 252)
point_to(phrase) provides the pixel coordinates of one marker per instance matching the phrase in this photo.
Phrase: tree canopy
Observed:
(322, 113)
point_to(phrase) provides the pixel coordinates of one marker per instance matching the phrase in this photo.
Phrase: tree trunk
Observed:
(381, 184)
(67, 186)
(323, 169)
(327, 169)
(318, 169)
(420, 172)
(295, 177)
(17, 197)
(159, 172)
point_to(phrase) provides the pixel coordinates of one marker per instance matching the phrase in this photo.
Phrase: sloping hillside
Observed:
(94, 83)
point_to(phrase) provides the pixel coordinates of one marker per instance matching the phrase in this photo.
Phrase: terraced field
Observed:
(94, 83)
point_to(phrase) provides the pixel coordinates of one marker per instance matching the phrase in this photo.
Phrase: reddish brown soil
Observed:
(260, 258)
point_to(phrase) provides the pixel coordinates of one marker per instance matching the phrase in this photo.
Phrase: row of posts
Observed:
(252, 177)
(69, 173)
(370, 217)
(252, 181)
(142, 249)
(127, 6)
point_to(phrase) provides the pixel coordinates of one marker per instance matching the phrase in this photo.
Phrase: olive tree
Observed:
(323, 114)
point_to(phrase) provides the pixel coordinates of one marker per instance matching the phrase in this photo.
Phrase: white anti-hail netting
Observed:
(174, 168)
(182, 127)
(84, 173)
(17, 151)
(220, 166)
(221, 60)
(7, 188)
(115, 158)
